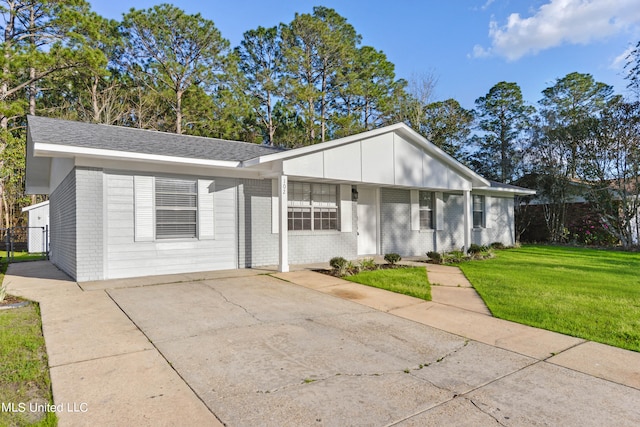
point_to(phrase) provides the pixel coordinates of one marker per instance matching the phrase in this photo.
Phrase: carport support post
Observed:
(468, 219)
(283, 229)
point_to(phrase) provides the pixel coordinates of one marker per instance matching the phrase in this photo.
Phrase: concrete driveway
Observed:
(258, 350)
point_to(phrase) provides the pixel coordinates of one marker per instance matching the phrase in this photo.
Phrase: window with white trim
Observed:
(426, 199)
(176, 208)
(312, 206)
(478, 211)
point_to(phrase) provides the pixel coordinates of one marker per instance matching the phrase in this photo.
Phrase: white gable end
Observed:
(386, 159)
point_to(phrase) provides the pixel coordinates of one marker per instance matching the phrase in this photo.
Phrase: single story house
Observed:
(127, 202)
(38, 226)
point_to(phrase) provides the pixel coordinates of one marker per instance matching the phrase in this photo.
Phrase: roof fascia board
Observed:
(514, 191)
(56, 150)
(37, 205)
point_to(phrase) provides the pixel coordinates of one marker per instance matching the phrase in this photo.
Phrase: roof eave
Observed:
(56, 150)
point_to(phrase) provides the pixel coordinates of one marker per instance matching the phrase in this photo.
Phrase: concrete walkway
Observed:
(100, 357)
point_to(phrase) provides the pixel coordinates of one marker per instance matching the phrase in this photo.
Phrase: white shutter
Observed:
(415, 210)
(439, 207)
(143, 208)
(274, 206)
(206, 217)
(346, 209)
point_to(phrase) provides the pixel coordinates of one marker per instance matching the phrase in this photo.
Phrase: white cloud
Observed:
(620, 60)
(560, 22)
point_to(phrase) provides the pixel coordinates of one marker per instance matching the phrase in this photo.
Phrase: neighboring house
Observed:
(38, 226)
(127, 202)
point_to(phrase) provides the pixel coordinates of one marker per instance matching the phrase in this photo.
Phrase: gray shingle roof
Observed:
(105, 137)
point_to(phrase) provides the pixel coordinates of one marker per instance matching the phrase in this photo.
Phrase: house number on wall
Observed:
(284, 187)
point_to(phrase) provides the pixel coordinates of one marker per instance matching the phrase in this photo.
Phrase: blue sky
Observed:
(468, 45)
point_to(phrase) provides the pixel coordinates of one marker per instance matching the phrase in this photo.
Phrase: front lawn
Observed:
(407, 281)
(587, 293)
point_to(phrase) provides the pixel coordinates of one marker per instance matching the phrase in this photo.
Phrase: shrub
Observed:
(339, 265)
(368, 264)
(454, 257)
(392, 258)
(476, 249)
(435, 257)
(352, 267)
(497, 245)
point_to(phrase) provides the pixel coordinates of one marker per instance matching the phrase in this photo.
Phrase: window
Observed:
(426, 210)
(176, 208)
(312, 206)
(478, 211)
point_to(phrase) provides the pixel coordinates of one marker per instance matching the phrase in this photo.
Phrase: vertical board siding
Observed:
(62, 204)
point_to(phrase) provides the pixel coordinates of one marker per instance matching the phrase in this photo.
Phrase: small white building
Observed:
(38, 226)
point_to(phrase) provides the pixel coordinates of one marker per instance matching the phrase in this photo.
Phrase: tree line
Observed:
(301, 83)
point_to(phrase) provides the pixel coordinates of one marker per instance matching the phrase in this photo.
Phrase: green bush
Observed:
(476, 249)
(454, 257)
(339, 265)
(435, 257)
(368, 264)
(352, 267)
(497, 245)
(392, 258)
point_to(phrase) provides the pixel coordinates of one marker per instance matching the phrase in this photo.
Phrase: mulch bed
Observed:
(10, 299)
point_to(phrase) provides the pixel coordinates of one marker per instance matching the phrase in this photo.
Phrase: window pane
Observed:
(478, 203)
(478, 219)
(299, 218)
(176, 208)
(426, 219)
(426, 200)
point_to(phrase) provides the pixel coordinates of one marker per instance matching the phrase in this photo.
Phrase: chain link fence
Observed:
(24, 243)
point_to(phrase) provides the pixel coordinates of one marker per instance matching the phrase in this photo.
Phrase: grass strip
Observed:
(24, 371)
(408, 281)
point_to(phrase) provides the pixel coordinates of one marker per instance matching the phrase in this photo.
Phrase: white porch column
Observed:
(468, 219)
(283, 236)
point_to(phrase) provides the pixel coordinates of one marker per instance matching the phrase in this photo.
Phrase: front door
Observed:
(367, 221)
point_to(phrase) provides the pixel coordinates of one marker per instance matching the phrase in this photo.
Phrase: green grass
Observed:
(24, 372)
(22, 256)
(587, 293)
(407, 281)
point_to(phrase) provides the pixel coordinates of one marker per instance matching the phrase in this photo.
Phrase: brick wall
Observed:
(395, 225)
(500, 223)
(258, 245)
(89, 224)
(451, 237)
